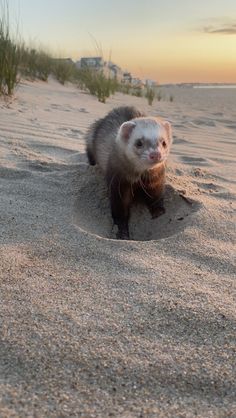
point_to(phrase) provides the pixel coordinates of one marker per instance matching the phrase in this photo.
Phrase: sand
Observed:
(96, 327)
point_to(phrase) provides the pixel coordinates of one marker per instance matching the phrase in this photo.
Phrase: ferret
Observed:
(131, 150)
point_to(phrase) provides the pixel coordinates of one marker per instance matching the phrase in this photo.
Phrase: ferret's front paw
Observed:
(122, 235)
(121, 231)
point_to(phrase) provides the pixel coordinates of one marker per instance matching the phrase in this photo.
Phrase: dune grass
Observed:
(159, 95)
(9, 54)
(63, 70)
(96, 83)
(150, 95)
(35, 64)
(19, 60)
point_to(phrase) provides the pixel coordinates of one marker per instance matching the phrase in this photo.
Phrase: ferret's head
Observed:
(145, 141)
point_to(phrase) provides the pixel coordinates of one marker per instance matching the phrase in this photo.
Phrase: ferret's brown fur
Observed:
(131, 150)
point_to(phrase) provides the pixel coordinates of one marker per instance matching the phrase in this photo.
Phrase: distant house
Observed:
(113, 71)
(127, 78)
(78, 64)
(110, 70)
(67, 60)
(96, 63)
(136, 82)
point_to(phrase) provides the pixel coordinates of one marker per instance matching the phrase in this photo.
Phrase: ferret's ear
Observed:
(168, 129)
(126, 130)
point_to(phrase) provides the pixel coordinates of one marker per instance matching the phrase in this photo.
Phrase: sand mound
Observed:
(92, 210)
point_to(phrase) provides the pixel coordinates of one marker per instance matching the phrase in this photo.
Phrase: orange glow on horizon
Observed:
(194, 57)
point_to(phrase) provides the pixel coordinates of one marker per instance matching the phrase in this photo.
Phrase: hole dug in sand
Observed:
(92, 210)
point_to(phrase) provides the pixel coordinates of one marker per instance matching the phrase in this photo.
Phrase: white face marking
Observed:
(148, 144)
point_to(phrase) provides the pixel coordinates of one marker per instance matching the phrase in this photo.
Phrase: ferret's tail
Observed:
(90, 156)
(90, 146)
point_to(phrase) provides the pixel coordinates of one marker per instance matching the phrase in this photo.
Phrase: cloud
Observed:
(224, 29)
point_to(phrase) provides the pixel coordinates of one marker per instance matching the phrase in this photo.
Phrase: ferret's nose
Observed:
(155, 156)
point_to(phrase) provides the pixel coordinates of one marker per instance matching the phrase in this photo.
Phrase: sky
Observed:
(169, 41)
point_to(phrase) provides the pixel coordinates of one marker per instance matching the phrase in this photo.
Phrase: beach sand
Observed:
(96, 327)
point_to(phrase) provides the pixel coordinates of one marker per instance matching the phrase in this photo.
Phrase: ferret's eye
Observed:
(164, 144)
(139, 143)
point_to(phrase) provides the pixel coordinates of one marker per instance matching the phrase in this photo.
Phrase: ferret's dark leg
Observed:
(154, 202)
(155, 206)
(121, 198)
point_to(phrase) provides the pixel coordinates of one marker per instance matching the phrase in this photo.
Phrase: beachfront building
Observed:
(109, 69)
(63, 60)
(136, 82)
(113, 71)
(97, 63)
(127, 78)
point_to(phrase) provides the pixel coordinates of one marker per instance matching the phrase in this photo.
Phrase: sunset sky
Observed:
(164, 40)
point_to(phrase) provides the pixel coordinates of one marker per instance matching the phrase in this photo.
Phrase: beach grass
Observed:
(9, 54)
(19, 60)
(159, 95)
(63, 70)
(35, 64)
(31, 62)
(96, 83)
(150, 95)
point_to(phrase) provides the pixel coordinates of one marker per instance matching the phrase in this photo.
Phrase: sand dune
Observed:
(96, 327)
